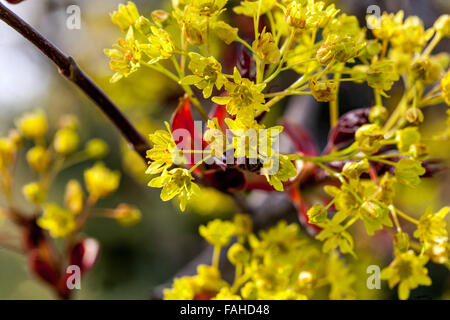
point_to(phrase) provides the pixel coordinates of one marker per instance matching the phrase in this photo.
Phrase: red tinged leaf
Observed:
(302, 140)
(219, 112)
(14, 1)
(41, 267)
(185, 134)
(85, 253)
(302, 209)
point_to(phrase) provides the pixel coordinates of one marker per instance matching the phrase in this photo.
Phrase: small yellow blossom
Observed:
(125, 58)
(58, 221)
(100, 181)
(33, 125)
(66, 141)
(74, 196)
(34, 192)
(39, 158)
(96, 148)
(127, 215)
(126, 16)
(408, 271)
(176, 182)
(217, 232)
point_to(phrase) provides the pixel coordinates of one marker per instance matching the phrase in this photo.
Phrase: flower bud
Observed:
(369, 137)
(353, 170)
(38, 158)
(317, 214)
(66, 141)
(96, 148)
(6, 152)
(35, 193)
(414, 115)
(127, 215)
(74, 196)
(100, 181)
(323, 91)
(442, 25)
(378, 115)
(237, 254)
(33, 125)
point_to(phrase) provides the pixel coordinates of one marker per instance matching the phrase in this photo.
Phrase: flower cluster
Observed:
(277, 264)
(370, 153)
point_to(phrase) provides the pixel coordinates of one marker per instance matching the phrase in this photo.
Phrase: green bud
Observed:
(414, 115)
(442, 25)
(353, 170)
(369, 137)
(237, 254)
(378, 115)
(406, 137)
(96, 148)
(317, 214)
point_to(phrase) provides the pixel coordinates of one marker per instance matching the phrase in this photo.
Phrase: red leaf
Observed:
(185, 134)
(302, 209)
(219, 112)
(14, 1)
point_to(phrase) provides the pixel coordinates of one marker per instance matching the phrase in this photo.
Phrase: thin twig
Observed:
(69, 69)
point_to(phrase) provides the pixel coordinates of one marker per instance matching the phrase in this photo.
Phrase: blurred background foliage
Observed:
(135, 259)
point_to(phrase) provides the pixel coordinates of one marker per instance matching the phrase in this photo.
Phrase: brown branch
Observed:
(69, 69)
